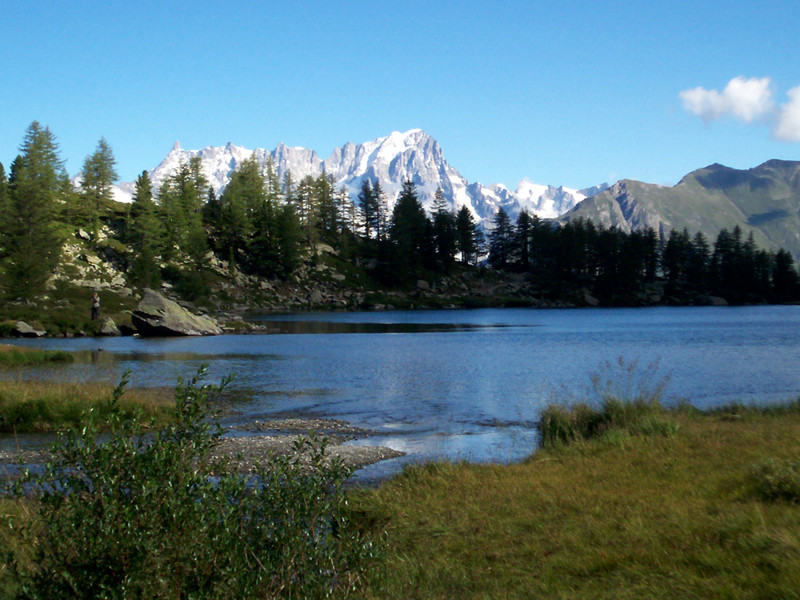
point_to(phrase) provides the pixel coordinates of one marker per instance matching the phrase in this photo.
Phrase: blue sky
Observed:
(565, 93)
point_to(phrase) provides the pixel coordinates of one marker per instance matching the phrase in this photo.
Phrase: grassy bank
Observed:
(33, 406)
(698, 511)
(14, 356)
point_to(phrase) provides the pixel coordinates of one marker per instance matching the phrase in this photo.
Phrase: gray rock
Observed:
(92, 260)
(81, 234)
(315, 297)
(22, 329)
(109, 328)
(423, 285)
(158, 316)
(590, 300)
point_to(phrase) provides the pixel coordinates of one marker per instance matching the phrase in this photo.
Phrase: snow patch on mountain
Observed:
(391, 160)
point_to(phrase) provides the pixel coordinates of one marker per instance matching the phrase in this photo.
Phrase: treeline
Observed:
(617, 266)
(259, 224)
(267, 226)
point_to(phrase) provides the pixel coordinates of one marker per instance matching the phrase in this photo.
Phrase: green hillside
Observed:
(764, 200)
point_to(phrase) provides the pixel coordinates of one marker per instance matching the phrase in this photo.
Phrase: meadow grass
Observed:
(35, 406)
(619, 515)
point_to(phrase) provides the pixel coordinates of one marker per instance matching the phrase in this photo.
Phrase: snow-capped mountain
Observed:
(413, 155)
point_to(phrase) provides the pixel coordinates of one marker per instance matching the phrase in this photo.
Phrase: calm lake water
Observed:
(464, 384)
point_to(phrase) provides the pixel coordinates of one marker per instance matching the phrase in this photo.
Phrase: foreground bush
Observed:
(129, 515)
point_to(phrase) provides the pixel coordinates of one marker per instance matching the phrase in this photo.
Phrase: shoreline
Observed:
(245, 445)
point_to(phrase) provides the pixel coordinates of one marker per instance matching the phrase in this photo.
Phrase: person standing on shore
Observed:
(95, 306)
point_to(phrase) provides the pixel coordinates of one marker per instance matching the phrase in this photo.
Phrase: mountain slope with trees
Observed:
(268, 242)
(764, 201)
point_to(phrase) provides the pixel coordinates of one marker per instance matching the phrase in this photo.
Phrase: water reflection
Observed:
(460, 384)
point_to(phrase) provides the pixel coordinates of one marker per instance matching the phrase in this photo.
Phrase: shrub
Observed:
(777, 480)
(130, 515)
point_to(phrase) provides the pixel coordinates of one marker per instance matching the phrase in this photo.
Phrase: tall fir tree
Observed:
(98, 176)
(181, 199)
(368, 205)
(501, 241)
(145, 233)
(444, 231)
(409, 229)
(469, 238)
(30, 241)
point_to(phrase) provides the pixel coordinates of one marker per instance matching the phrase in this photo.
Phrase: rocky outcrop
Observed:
(22, 329)
(158, 316)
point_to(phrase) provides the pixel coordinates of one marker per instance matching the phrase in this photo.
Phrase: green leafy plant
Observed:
(129, 514)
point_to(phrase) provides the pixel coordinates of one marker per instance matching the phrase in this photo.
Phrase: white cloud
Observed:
(787, 126)
(746, 99)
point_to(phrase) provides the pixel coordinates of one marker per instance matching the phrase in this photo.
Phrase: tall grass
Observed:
(13, 356)
(32, 406)
(622, 398)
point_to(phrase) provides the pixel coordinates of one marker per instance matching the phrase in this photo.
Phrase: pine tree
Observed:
(521, 241)
(145, 234)
(239, 205)
(368, 204)
(181, 198)
(444, 231)
(98, 176)
(327, 213)
(469, 237)
(29, 238)
(408, 229)
(382, 219)
(501, 241)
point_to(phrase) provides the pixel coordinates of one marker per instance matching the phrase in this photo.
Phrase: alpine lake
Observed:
(462, 384)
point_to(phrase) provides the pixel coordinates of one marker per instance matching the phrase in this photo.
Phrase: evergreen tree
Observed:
(368, 204)
(408, 229)
(784, 277)
(243, 199)
(469, 238)
(289, 238)
(382, 220)
(697, 269)
(327, 213)
(145, 234)
(501, 241)
(304, 203)
(521, 241)
(181, 198)
(98, 176)
(38, 182)
(443, 231)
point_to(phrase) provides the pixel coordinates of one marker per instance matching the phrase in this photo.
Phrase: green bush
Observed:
(129, 515)
(777, 480)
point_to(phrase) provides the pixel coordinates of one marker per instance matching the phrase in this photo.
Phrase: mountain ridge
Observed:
(763, 200)
(391, 159)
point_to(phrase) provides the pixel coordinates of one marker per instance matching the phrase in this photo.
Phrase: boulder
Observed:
(159, 316)
(109, 328)
(22, 329)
